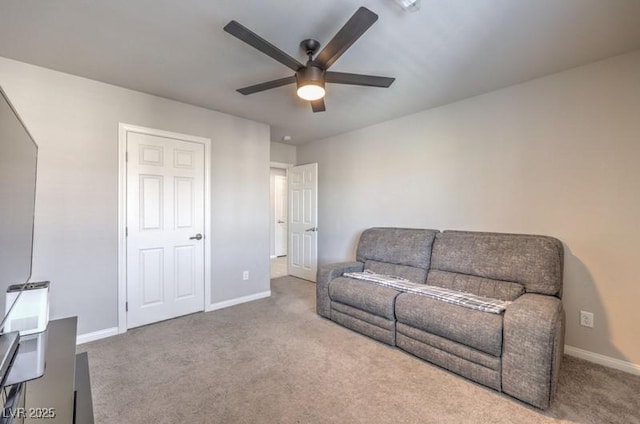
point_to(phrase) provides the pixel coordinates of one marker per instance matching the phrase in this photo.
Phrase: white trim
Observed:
(114, 331)
(238, 300)
(123, 129)
(282, 165)
(122, 221)
(96, 335)
(607, 361)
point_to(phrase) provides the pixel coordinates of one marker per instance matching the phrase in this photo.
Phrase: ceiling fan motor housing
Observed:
(310, 74)
(310, 82)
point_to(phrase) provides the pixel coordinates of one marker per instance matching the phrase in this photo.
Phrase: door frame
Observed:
(123, 130)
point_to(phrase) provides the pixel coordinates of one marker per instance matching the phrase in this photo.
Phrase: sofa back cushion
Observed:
(535, 262)
(399, 246)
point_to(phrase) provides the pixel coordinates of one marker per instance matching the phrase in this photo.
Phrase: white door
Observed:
(165, 227)
(303, 221)
(280, 215)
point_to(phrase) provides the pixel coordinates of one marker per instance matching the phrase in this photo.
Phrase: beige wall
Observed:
(75, 123)
(283, 153)
(556, 156)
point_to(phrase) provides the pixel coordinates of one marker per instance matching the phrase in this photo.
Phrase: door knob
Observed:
(196, 237)
(314, 229)
(280, 222)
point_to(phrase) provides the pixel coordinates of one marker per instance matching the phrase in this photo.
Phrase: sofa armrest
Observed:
(326, 273)
(533, 344)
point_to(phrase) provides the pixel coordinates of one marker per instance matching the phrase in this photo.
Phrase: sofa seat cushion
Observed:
(468, 300)
(368, 297)
(476, 329)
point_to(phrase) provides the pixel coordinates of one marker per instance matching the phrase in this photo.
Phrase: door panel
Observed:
(151, 272)
(303, 222)
(184, 202)
(151, 155)
(295, 207)
(184, 266)
(151, 202)
(165, 207)
(294, 255)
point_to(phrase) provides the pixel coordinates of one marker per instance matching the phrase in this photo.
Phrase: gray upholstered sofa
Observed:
(517, 352)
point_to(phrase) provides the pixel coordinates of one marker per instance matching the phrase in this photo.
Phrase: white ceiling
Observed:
(447, 51)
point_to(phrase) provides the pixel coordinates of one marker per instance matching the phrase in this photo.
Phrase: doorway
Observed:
(279, 221)
(297, 205)
(164, 246)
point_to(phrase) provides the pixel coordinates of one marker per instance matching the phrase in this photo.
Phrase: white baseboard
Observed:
(96, 335)
(607, 361)
(108, 332)
(237, 301)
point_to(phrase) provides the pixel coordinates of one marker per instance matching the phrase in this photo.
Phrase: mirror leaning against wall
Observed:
(18, 158)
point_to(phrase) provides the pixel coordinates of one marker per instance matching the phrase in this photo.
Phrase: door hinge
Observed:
(126, 306)
(126, 231)
(126, 156)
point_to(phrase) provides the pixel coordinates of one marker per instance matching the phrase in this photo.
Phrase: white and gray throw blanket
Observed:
(468, 300)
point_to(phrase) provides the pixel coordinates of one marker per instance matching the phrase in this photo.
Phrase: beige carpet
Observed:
(279, 267)
(275, 361)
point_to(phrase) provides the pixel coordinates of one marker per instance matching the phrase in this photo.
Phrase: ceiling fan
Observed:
(311, 78)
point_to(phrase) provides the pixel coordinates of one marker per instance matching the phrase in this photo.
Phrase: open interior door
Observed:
(303, 221)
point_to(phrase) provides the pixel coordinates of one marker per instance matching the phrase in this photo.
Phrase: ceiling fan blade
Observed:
(267, 85)
(348, 34)
(254, 40)
(358, 79)
(318, 105)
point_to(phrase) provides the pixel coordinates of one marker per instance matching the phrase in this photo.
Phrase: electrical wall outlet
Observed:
(586, 319)
(245, 275)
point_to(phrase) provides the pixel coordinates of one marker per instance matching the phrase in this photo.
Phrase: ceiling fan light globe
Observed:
(311, 92)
